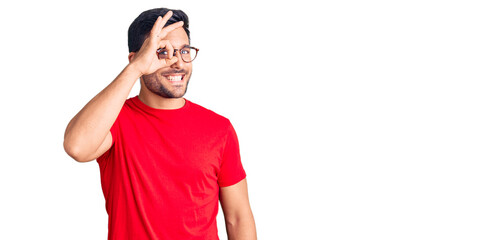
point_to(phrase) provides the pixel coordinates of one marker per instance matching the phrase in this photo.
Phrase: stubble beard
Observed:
(153, 83)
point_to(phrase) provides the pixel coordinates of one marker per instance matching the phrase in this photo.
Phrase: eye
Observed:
(185, 51)
(162, 53)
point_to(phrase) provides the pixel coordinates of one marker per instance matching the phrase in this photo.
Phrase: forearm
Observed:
(242, 228)
(87, 130)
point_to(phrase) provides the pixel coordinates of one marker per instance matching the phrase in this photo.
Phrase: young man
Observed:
(164, 161)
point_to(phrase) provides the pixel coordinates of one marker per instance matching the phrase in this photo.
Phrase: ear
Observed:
(131, 56)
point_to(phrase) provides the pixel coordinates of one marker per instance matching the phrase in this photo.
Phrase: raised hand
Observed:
(145, 60)
(88, 133)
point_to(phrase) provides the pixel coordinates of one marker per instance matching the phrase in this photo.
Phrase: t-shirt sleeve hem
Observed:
(232, 182)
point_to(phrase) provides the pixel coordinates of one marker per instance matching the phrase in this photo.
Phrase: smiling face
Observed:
(171, 81)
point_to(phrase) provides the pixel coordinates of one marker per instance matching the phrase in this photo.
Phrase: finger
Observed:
(167, 45)
(171, 61)
(154, 30)
(164, 32)
(160, 23)
(164, 20)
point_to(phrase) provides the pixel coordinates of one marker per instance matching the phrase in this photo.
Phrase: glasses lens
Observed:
(188, 54)
(162, 53)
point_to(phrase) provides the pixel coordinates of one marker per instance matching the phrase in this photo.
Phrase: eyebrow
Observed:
(184, 45)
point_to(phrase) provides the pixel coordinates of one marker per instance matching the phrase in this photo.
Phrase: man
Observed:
(164, 161)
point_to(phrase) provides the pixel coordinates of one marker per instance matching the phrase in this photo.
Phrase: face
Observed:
(171, 81)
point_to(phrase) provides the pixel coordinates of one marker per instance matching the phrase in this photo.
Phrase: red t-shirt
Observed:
(161, 177)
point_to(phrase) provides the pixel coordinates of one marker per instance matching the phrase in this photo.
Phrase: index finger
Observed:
(170, 28)
(159, 24)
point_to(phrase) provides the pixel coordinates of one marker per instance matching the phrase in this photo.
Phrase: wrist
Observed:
(132, 69)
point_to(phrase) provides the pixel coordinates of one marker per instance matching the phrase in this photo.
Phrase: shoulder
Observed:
(129, 104)
(208, 116)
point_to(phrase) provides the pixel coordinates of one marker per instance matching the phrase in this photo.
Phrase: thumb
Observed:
(171, 61)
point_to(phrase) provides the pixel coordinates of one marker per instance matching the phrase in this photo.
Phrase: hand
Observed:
(145, 60)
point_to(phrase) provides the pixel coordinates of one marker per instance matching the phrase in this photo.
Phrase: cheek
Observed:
(147, 78)
(150, 80)
(189, 69)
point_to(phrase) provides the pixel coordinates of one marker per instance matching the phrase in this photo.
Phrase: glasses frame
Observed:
(177, 50)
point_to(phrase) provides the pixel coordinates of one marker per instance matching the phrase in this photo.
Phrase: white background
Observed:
(356, 119)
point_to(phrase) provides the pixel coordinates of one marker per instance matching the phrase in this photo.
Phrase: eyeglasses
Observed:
(187, 53)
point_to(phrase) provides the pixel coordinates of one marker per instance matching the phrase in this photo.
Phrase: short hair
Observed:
(141, 26)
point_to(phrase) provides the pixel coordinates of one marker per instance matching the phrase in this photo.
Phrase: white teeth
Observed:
(174, 78)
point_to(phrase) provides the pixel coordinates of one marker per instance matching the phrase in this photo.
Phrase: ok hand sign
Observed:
(145, 60)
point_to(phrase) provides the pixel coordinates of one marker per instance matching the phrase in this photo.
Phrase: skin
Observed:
(156, 90)
(88, 136)
(239, 220)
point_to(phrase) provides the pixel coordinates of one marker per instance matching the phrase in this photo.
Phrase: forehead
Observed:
(178, 38)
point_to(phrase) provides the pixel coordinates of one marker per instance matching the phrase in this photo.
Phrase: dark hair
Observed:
(141, 26)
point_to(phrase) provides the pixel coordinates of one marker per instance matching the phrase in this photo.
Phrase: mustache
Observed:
(168, 72)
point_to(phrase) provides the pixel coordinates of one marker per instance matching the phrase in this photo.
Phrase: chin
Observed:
(166, 88)
(166, 93)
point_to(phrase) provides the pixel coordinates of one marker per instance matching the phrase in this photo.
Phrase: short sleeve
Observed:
(114, 131)
(231, 168)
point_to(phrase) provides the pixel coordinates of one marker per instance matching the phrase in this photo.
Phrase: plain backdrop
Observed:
(357, 119)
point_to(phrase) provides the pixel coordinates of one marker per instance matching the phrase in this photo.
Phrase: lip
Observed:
(173, 78)
(169, 71)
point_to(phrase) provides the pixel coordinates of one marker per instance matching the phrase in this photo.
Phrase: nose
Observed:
(179, 63)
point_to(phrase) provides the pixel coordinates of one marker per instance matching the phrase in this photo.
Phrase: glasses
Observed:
(187, 53)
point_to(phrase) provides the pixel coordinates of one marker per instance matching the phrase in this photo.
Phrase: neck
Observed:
(154, 101)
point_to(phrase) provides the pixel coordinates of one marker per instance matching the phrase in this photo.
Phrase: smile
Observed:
(174, 78)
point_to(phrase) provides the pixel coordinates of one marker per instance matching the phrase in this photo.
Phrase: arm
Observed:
(239, 220)
(88, 136)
